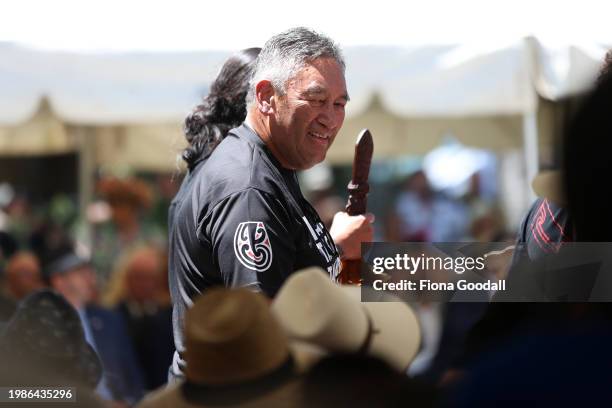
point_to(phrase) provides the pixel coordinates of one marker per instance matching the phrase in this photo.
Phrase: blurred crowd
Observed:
(94, 311)
(118, 284)
(116, 276)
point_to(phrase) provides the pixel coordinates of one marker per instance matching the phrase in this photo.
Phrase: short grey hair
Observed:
(286, 53)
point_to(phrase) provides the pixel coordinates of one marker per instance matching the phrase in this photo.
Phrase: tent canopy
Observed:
(149, 88)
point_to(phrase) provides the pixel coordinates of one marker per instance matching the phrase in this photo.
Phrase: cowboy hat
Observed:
(312, 309)
(236, 354)
(231, 337)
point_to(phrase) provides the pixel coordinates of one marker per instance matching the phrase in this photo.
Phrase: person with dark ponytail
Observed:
(223, 109)
(205, 127)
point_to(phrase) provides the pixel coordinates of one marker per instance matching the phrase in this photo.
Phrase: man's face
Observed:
(75, 285)
(23, 275)
(307, 118)
(143, 278)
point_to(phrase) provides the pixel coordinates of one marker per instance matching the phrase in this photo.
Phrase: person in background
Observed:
(128, 200)
(205, 127)
(423, 215)
(139, 291)
(19, 218)
(23, 275)
(317, 183)
(8, 246)
(44, 345)
(548, 224)
(74, 278)
(222, 110)
(520, 350)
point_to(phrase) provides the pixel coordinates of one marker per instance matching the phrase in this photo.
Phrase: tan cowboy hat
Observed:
(548, 184)
(313, 309)
(232, 337)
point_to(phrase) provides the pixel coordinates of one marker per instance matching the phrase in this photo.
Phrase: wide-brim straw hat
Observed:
(313, 309)
(232, 337)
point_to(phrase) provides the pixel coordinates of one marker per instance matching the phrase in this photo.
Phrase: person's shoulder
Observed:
(237, 164)
(232, 159)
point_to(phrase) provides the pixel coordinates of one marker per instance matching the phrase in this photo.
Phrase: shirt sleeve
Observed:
(252, 243)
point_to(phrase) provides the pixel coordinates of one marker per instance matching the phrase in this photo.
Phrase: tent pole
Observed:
(530, 144)
(86, 178)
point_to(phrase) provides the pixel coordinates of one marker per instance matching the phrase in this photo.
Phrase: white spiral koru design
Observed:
(252, 246)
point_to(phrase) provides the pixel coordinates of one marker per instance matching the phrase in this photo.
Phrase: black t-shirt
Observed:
(240, 220)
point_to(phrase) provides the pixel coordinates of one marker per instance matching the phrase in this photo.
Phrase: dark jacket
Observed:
(121, 370)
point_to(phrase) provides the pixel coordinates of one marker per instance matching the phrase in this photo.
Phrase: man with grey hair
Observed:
(242, 220)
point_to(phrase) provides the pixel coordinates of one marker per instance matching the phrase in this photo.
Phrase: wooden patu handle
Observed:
(357, 204)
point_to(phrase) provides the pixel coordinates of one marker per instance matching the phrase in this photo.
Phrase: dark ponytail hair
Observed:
(223, 109)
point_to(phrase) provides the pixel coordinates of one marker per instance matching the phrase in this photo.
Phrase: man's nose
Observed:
(330, 118)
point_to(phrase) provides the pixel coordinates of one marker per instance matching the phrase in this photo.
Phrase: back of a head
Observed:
(144, 274)
(223, 109)
(357, 380)
(286, 53)
(587, 167)
(35, 374)
(45, 344)
(138, 276)
(23, 274)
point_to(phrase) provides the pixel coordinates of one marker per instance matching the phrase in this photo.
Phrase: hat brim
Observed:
(396, 336)
(314, 310)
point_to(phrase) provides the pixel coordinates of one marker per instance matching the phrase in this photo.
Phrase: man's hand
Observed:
(349, 232)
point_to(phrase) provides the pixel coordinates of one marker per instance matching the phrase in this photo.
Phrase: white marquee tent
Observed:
(118, 89)
(419, 82)
(126, 108)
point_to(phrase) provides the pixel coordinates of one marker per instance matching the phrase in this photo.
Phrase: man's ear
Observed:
(264, 93)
